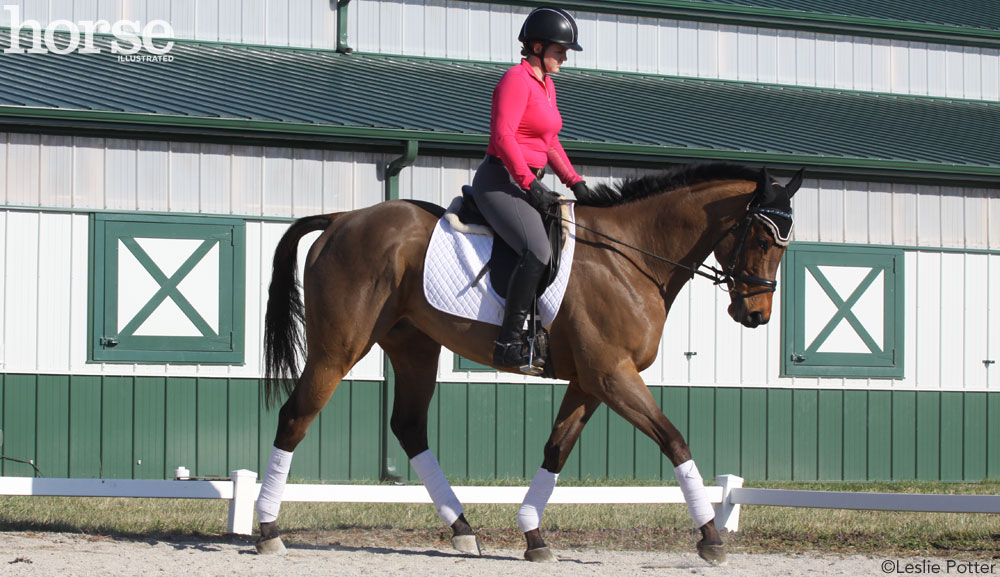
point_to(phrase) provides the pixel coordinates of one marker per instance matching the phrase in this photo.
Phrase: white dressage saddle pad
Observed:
(455, 258)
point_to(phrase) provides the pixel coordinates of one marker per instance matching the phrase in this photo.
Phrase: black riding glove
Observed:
(581, 191)
(541, 197)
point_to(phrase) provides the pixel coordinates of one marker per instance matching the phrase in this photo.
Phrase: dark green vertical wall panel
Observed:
(85, 427)
(831, 435)
(727, 431)
(335, 438)
(150, 428)
(805, 423)
(116, 428)
(366, 403)
(621, 447)
(482, 430)
(952, 429)
(510, 431)
(929, 436)
(993, 438)
(453, 429)
(701, 423)
(19, 423)
(268, 419)
(593, 445)
(975, 436)
(53, 429)
(244, 399)
(182, 429)
(779, 434)
(904, 435)
(538, 408)
(675, 407)
(212, 420)
(211, 426)
(753, 435)
(855, 435)
(880, 435)
(647, 453)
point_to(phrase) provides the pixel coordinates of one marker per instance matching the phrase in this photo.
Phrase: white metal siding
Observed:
(302, 23)
(44, 262)
(952, 315)
(477, 31)
(471, 30)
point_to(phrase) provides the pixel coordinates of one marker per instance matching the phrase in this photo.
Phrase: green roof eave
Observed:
(821, 22)
(155, 123)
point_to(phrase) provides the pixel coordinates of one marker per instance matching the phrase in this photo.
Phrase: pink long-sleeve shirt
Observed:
(525, 124)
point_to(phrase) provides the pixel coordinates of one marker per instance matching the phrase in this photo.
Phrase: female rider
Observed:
(524, 127)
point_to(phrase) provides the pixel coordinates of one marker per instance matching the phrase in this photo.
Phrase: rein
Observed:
(717, 276)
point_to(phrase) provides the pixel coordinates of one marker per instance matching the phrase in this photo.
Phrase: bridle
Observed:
(727, 276)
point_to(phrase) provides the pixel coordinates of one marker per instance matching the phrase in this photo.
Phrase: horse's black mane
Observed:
(632, 189)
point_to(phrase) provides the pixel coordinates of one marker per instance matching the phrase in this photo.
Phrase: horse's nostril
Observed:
(756, 318)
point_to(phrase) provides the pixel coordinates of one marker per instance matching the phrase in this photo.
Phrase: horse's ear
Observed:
(794, 184)
(765, 188)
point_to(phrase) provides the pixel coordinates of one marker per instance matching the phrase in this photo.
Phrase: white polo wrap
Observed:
(430, 473)
(273, 487)
(529, 516)
(695, 495)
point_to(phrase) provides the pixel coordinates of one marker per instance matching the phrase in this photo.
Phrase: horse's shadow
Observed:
(411, 553)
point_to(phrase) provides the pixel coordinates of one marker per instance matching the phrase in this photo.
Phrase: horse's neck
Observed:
(684, 225)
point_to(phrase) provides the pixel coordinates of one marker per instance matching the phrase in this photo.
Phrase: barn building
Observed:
(141, 200)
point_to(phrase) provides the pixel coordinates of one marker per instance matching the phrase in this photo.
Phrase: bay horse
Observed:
(638, 243)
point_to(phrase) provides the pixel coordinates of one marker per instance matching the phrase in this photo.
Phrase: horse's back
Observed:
(357, 240)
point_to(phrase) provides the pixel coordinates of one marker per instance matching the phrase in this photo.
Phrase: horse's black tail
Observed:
(284, 344)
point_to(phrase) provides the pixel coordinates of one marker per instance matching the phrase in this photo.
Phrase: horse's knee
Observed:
(412, 435)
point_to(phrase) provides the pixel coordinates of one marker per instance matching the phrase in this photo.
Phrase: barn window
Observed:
(167, 289)
(843, 311)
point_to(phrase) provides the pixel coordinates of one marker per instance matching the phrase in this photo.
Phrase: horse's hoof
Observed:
(540, 555)
(272, 546)
(468, 544)
(714, 554)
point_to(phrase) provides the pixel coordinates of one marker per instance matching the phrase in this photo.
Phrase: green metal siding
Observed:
(144, 427)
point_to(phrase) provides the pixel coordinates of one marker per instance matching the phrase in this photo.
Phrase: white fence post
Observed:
(241, 507)
(727, 514)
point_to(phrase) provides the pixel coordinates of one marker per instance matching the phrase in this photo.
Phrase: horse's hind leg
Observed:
(414, 358)
(576, 409)
(626, 394)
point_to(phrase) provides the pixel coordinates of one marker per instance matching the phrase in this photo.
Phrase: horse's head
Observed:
(751, 253)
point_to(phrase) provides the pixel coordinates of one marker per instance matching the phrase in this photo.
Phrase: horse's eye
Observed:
(762, 244)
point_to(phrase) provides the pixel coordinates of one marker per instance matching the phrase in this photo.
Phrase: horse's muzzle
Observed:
(749, 319)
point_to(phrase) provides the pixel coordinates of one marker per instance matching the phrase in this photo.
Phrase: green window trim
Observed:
(805, 359)
(109, 342)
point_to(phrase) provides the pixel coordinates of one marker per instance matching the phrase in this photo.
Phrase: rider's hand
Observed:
(581, 191)
(542, 198)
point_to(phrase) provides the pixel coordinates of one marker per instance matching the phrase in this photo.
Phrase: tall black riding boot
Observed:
(510, 350)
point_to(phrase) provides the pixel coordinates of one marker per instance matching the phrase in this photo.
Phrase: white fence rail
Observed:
(728, 495)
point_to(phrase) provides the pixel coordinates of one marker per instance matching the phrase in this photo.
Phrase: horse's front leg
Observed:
(626, 394)
(577, 407)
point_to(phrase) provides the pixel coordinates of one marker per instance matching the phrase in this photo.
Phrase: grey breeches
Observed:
(505, 206)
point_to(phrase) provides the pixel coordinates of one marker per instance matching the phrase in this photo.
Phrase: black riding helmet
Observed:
(550, 26)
